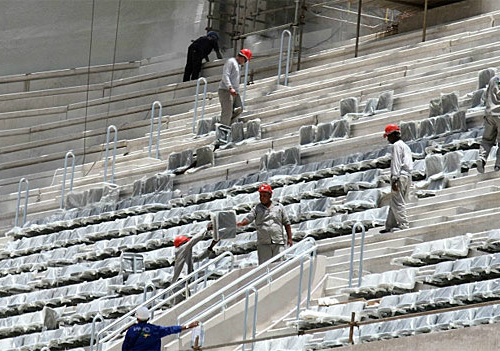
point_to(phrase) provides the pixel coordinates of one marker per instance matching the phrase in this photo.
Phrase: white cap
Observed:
(142, 313)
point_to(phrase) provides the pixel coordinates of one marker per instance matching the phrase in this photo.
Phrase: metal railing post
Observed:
(351, 264)
(195, 112)
(309, 283)
(69, 153)
(299, 293)
(245, 87)
(145, 294)
(25, 211)
(160, 112)
(92, 335)
(254, 328)
(286, 31)
(114, 154)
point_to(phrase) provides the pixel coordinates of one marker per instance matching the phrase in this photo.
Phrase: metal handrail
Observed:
(362, 248)
(289, 47)
(156, 103)
(25, 212)
(114, 154)
(195, 112)
(69, 153)
(299, 294)
(248, 280)
(174, 288)
(245, 86)
(256, 301)
(92, 335)
(145, 293)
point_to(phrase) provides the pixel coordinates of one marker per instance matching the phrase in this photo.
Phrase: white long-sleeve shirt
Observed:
(401, 162)
(230, 75)
(493, 97)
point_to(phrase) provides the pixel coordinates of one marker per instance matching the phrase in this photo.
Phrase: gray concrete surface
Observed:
(41, 35)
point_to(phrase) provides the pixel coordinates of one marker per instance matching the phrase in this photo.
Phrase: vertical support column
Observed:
(358, 28)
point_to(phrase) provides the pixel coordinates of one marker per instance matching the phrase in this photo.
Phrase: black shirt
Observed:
(205, 45)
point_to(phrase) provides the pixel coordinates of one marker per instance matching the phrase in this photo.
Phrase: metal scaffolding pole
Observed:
(360, 3)
(424, 30)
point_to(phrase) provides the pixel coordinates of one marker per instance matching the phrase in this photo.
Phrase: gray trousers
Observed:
(227, 104)
(396, 218)
(491, 137)
(268, 251)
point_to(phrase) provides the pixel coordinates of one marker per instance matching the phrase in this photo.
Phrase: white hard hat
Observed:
(142, 313)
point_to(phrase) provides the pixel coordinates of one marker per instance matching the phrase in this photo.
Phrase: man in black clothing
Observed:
(199, 50)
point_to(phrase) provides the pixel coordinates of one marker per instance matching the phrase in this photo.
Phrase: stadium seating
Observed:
(63, 267)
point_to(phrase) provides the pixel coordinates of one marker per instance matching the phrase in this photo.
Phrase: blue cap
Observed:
(213, 35)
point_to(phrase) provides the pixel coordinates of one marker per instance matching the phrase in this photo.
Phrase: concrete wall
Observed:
(41, 35)
(450, 13)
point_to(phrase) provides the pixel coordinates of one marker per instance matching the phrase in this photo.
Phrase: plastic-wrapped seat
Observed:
(388, 330)
(307, 134)
(407, 303)
(425, 299)
(323, 132)
(463, 318)
(408, 130)
(463, 293)
(425, 324)
(362, 200)
(444, 297)
(442, 273)
(369, 332)
(484, 315)
(348, 105)
(253, 129)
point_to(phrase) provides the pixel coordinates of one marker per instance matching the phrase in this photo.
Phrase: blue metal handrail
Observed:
(289, 47)
(160, 112)
(114, 154)
(362, 248)
(195, 112)
(69, 153)
(25, 212)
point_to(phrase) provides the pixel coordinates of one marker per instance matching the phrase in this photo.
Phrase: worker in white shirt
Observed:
(229, 97)
(491, 135)
(401, 167)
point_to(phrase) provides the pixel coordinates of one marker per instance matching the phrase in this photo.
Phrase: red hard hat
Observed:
(265, 188)
(180, 239)
(246, 53)
(391, 128)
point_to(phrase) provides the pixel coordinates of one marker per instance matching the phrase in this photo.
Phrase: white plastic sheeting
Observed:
(431, 251)
(384, 283)
(331, 315)
(465, 268)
